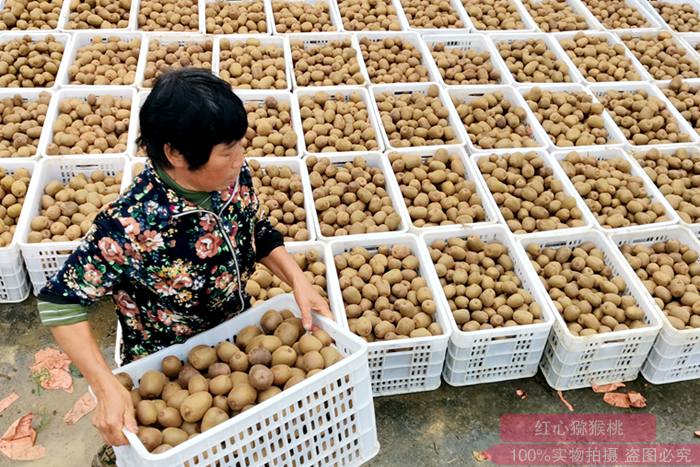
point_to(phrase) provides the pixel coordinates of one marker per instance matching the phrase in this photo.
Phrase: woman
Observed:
(176, 249)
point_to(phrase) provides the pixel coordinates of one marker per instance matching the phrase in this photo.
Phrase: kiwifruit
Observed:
(260, 377)
(197, 383)
(218, 368)
(195, 405)
(151, 384)
(220, 385)
(171, 366)
(174, 436)
(246, 334)
(201, 356)
(146, 413)
(240, 396)
(270, 320)
(125, 380)
(183, 378)
(170, 417)
(213, 417)
(150, 437)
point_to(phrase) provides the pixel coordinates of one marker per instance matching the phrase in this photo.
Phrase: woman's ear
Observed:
(176, 159)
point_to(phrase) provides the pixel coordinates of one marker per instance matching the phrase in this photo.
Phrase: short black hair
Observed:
(193, 111)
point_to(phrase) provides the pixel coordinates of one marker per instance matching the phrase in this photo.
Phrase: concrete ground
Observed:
(438, 428)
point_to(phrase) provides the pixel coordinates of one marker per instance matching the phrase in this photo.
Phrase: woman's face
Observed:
(220, 172)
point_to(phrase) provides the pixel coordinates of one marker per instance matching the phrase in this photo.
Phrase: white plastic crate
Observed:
(569, 189)
(278, 41)
(651, 11)
(638, 5)
(37, 35)
(333, 13)
(82, 93)
(464, 41)
(136, 151)
(162, 32)
(528, 23)
(137, 163)
(203, 20)
(345, 92)
(471, 93)
(498, 354)
(578, 8)
(14, 286)
(457, 9)
(399, 14)
(612, 40)
(327, 419)
(690, 52)
(164, 39)
(550, 42)
(675, 355)
(615, 136)
(407, 37)
(693, 83)
(315, 40)
(84, 38)
(297, 166)
(491, 216)
(133, 23)
(259, 96)
(600, 89)
(572, 362)
(419, 88)
(28, 94)
(668, 150)
(43, 260)
(690, 39)
(374, 159)
(635, 170)
(405, 365)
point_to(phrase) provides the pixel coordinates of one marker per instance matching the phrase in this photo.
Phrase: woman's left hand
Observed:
(309, 300)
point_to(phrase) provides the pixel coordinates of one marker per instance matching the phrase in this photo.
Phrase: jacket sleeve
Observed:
(89, 273)
(267, 238)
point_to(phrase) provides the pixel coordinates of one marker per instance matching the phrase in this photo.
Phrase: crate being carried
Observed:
(400, 365)
(577, 361)
(675, 355)
(504, 352)
(326, 419)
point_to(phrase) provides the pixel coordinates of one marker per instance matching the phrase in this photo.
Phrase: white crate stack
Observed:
(572, 362)
(675, 355)
(502, 353)
(327, 419)
(403, 365)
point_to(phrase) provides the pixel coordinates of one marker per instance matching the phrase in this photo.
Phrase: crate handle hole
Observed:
(400, 349)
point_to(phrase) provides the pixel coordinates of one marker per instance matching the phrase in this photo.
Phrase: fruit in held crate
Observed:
(68, 209)
(30, 63)
(13, 191)
(529, 196)
(181, 402)
(480, 283)
(677, 175)
(615, 196)
(585, 290)
(21, 122)
(92, 125)
(384, 295)
(436, 189)
(351, 198)
(670, 272)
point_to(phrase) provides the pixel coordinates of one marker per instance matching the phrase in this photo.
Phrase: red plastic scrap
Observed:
(521, 393)
(607, 387)
(82, 407)
(55, 364)
(18, 441)
(625, 400)
(566, 403)
(8, 401)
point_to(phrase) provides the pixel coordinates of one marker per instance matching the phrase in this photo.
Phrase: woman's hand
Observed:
(310, 300)
(114, 411)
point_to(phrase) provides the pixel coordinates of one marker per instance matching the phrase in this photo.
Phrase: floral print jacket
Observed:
(173, 268)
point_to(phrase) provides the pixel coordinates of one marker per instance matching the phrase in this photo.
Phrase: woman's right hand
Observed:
(114, 411)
